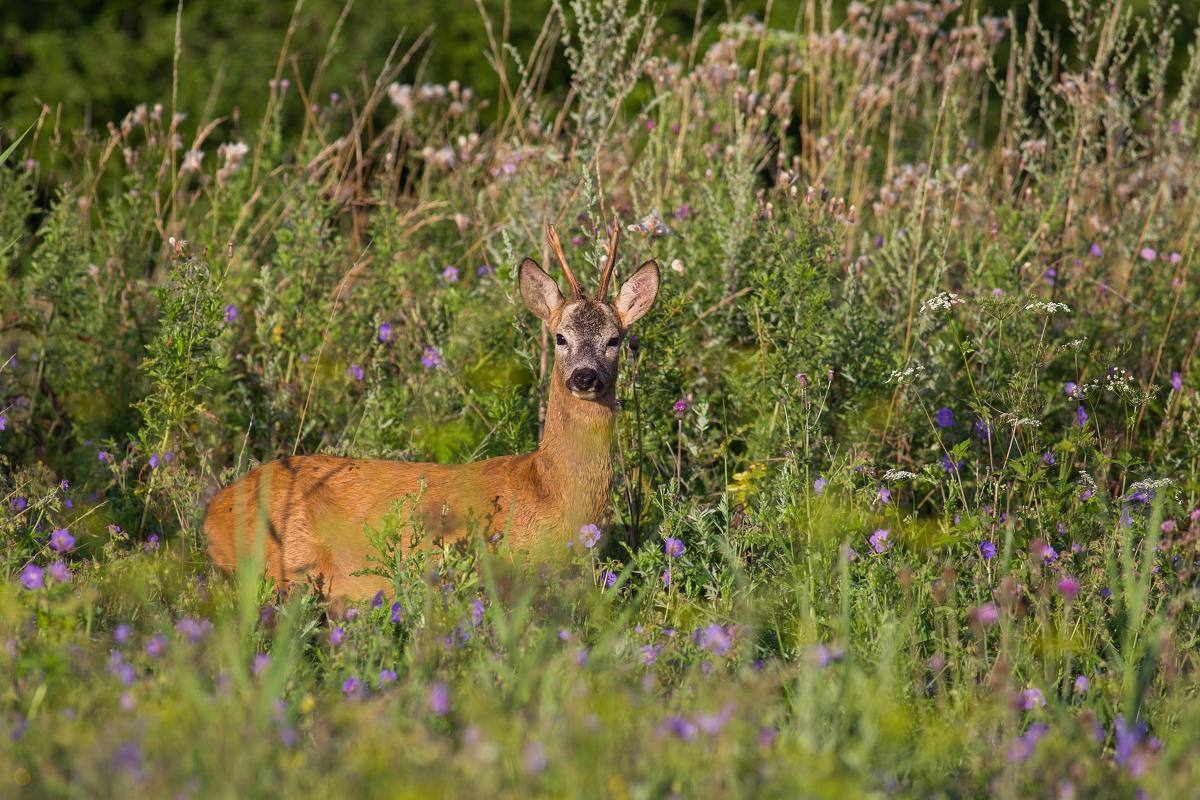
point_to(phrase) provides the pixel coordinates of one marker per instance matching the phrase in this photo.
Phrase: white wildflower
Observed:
(1020, 422)
(898, 475)
(1041, 307)
(401, 95)
(191, 160)
(906, 375)
(943, 301)
(1151, 486)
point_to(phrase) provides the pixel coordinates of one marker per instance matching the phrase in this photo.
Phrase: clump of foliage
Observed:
(908, 468)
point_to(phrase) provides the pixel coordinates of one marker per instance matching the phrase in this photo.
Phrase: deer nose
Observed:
(585, 380)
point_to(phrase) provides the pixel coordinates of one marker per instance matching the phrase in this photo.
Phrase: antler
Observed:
(610, 261)
(556, 247)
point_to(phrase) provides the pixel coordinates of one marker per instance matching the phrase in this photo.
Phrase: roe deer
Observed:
(316, 508)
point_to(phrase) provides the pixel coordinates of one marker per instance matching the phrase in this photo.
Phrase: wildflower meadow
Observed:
(907, 460)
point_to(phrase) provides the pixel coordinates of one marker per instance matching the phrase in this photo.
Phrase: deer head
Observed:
(588, 331)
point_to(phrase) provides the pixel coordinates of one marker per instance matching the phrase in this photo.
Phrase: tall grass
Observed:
(908, 465)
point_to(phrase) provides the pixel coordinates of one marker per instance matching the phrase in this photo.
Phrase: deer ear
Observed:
(541, 293)
(637, 294)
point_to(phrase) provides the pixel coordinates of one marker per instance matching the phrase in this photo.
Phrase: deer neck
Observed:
(575, 454)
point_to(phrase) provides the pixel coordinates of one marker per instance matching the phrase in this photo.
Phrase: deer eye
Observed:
(560, 339)
(613, 342)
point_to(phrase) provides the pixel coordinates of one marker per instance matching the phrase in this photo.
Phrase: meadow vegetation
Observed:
(908, 478)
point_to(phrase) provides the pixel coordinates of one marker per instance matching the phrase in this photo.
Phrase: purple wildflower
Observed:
(231, 312)
(832, 654)
(153, 461)
(156, 645)
(1068, 587)
(879, 540)
(1021, 749)
(337, 636)
(260, 663)
(1148, 254)
(885, 495)
(450, 274)
(1048, 458)
(1032, 698)
(712, 723)
(535, 758)
(1176, 383)
(477, 611)
(589, 535)
(715, 639)
(59, 572)
(385, 331)
(673, 547)
(121, 633)
(819, 485)
(387, 676)
(681, 727)
(355, 372)
(1081, 416)
(944, 418)
(952, 467)
(1082, 684)
(987, 614)
(439, 699)
(609, 578)
(377, 600)
(397, 612)
(61, 541)
(191, 629)
(431, 358)
(987, 550)
(350, 686)
(1128, 738)
(650, 653)
(33, 577)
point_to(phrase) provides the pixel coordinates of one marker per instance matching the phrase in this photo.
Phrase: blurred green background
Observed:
(94, 60)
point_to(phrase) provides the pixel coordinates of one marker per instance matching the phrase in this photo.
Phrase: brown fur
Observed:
(309, 514)
(317, 508)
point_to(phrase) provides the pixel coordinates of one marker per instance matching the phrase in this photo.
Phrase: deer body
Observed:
(310, 514)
